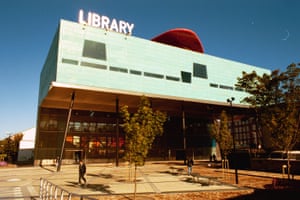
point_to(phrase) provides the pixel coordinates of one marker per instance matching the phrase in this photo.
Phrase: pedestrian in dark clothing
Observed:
(190, 166)
(82, 171)
(214, 157)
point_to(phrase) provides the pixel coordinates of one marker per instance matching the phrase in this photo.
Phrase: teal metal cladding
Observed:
(95, 57)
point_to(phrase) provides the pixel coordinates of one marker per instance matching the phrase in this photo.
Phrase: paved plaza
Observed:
(151, 178)
(105, 181)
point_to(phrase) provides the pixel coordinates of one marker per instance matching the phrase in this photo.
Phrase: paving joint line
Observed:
(152, 185)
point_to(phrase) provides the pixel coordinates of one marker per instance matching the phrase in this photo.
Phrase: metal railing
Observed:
(50, 191)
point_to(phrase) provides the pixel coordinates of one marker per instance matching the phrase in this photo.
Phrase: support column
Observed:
(117, 132)
(183, 130)
(66, 131)
(233, 138)
(184, 133)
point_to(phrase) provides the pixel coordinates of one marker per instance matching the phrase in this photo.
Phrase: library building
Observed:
(96, 65)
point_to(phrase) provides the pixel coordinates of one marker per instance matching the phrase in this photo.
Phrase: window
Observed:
(118, 69)
(92, 49)
(226, 87)
(69, 61)
(153, 75)
(172, 78)
(239, 89)
(93, 65)
(76, 141)
(199, 70)
(213, 85)
(186, 77)
(135, 72)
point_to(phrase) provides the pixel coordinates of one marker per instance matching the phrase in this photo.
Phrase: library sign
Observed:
(104, 22)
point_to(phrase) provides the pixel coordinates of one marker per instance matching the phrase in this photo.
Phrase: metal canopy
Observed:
(97, 99)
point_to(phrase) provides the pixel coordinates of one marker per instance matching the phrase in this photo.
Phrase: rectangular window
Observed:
(69, 61)
(153, 75)
(135, 72)
(76, 141)
(239, 89)
(213, 85)
(186, 77)
(94, 65)
(226, 87)
(172, 78)
(118, 69)
(92, 49)
(199, 70)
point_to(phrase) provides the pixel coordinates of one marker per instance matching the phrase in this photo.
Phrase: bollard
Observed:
(47, 190)
(51, 191)
(284, 167)
(41, 188)
(55, 192)
(44, 189)
(62, 195)
(70, 196)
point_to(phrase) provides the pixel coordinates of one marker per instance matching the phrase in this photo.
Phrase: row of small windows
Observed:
(86, 64)
(185, 76)
(123, 70)
(97, 50)
(226, 87)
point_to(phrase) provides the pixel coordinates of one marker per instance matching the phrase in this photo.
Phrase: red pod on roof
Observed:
(182, 38)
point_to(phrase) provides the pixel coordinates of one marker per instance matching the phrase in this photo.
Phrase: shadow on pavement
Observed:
(260, 194)
(138, 197)
(93, 187)
(168, 172)
(106, 176)
(280, 189)
(46, 168)
(200, 182)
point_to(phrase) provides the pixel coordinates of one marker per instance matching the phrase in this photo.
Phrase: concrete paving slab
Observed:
(152, 178)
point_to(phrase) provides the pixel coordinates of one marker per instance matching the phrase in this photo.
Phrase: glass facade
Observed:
(93, 134)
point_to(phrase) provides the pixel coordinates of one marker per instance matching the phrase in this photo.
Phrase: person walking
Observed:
(190, 166)
(82, 171)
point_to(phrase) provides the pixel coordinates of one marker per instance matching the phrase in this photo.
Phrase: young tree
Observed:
(220, 132)
(141, 128)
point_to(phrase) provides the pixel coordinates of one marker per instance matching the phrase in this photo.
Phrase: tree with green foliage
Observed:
(141, 128)
(275, 98)
(221, 133)
(11, 146)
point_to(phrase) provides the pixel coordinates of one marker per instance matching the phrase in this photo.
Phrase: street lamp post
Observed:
(230, 100)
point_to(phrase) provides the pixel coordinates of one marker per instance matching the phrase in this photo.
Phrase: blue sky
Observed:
(263, 33)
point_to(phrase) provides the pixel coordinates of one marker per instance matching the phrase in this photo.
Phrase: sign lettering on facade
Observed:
(104, 22)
